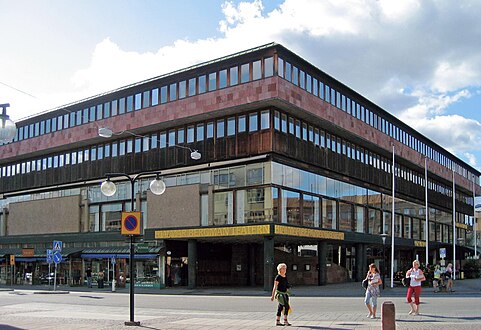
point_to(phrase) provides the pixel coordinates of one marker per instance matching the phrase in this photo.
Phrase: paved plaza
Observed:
(328, 307)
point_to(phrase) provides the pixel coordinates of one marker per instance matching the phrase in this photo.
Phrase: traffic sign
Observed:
(57, 245)
(12, 259)
(49, 256)
(442, 252)
(130, 223)
(57, 257)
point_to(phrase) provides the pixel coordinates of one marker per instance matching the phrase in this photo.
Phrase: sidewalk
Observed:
(349, 289)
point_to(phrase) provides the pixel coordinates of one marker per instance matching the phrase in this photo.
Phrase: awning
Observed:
(38, 255)
(117, 256)
(121, 252)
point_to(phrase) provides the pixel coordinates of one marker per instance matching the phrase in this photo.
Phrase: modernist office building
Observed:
(295, 167)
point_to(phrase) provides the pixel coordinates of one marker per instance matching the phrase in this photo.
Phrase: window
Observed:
(106, 109)
(202, 84)
(244, 73)
(241, 126)
(277, 120)
(253, 126)
(234, 76)
(200, 132)
(171, 141)
(210, 130)
(138, 101)
(265, 119)
(163, 94)
(130, 103)
(212, 81)
(182, 89)
(288, 75)
(231, 126)
(220, 128)
(284, 123)
(256, 70)
(121, 106)
(114, 108)
(295, 75)
(268, 67)
(163, 140)
(190, 134)
(173, 92)
(155, 96)
(223, 78)
(192, 86)
(180, 136)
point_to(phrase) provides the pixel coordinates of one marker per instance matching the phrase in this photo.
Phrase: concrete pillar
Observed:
(360, 256)
(388, 316)
(269, 267)
(192, 270)
(322, 260)
(252, 265)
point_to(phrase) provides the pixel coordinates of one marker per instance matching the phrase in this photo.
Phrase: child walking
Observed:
(280, 292)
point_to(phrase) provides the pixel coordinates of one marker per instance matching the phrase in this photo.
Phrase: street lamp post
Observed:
(383, 236)
(108, 188)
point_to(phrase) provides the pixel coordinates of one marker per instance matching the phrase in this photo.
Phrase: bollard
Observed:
(388, 316)
(113, 285)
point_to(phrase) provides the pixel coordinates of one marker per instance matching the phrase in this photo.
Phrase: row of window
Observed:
(220, 128)
(327, 93)
(323, 139)
(274, 192)
(231, 76)
(175, 91)
(229, 127)
(285, 206)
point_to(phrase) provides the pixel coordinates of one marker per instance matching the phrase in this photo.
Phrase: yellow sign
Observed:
(131, 224)
(420, 243)
(307, 232)
(12, 259)
(213, 232)
(462, 225)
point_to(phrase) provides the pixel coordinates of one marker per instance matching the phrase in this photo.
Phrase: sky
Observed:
(418, 59)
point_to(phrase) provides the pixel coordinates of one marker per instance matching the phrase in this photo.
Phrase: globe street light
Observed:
(383, 236)
(157, 187)
(108, 188)
(8, 129)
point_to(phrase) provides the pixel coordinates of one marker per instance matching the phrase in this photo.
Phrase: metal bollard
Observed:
(113, 285)
(388, 316)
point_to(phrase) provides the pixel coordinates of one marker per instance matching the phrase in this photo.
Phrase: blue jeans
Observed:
(368, 297)
(89, 281)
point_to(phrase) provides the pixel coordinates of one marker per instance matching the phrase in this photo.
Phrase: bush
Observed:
(471, 269)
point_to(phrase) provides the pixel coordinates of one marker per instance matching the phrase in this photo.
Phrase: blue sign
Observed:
(57, 245)
(49, 256)
(57, 257)
(113, 261)
(442, 252)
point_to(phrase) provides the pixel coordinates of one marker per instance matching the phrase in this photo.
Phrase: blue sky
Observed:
(418, 59)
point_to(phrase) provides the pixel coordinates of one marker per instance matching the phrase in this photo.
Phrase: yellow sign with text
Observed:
(420, 243)
(307, 232)
(213, 232)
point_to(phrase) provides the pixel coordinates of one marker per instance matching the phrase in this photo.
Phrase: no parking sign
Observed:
(131, 224)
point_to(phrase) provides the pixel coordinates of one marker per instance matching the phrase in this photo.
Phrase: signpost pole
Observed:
(48, 276)
(55, 278)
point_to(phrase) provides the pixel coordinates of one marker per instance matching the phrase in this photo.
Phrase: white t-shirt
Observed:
(414, 275)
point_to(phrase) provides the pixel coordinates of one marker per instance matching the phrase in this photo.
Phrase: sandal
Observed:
(279, 323)
(287, 324)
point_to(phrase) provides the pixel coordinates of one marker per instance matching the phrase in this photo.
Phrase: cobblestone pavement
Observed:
(330, 307)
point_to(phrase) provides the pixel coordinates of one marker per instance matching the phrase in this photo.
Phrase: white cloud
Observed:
(414, 58)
